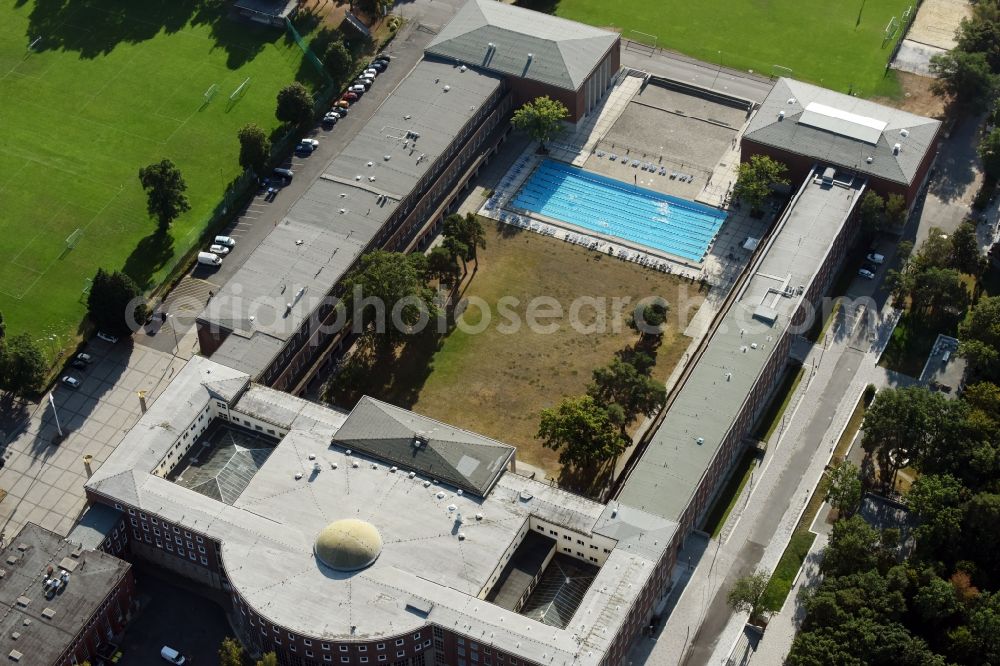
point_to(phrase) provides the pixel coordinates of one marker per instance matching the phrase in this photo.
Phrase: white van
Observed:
(209, 259)
(172, 655)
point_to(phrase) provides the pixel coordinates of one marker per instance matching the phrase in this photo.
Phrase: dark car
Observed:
(78, 364)
(870, 267)
(380, 65)
(384, 56)
(350, 97)
(285, 175)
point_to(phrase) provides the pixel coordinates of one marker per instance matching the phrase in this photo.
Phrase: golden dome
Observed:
(348, 545)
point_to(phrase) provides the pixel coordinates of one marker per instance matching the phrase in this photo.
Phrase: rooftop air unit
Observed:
(904, 133)
(781, 115)
(895, 148)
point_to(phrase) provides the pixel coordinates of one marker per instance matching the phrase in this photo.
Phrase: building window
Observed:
(364, 660)
(427, 643)
(307, 642)
(277, 640)
(327, 657)
(293, 648)
(345, 660)
(343, 648)
(362, 648)
(400, 653)
(381, 657)
(204, 560)
(416, 636)
(399, 641)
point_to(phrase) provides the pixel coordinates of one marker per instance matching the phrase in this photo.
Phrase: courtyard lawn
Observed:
(111, 86)
(836, 45)
(497, 383)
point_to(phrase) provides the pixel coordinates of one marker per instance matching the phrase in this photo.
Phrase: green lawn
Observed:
(838, 45)
(771, 419)
(112, 86)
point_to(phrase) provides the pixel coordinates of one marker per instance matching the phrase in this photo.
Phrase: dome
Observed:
(348, 545)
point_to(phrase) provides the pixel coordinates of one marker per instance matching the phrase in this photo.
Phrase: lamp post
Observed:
(173, 329)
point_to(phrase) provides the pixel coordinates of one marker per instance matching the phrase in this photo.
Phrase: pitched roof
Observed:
(563, 52)
(414, 442)
(843, 130)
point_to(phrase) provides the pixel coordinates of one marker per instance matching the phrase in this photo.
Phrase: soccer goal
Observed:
(242, 88)
(891, 27)
(211, 92)
(73, 239)
(780, 70)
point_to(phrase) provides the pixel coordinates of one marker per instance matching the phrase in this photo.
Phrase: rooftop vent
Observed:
(462, 68)
(791, 100)
(298, 475)
(531, 56)
(452, 507)
(868, 159)
(700, 440)
(447, 88)
(440, 494)
(15, 655)
(895, 148)
(781, 115)
(419, 441)
(904, 133)
(312, 456)
(48, 613)
(23, 601)
(387, 157)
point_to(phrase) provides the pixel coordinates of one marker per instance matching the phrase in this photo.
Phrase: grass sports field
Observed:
(835, 44)
(114, 85)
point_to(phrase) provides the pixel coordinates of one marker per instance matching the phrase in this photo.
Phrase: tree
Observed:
(441, 265)
(745, 594)
(899, 424)
(622, 383)
(935, 252)
(230, 652)
(982, 540)
(854, 547)
(165, 187)
(938, 501)
(965, 249)
(844, 491)
(585, 433)
(375, 8)
(22, 365)
(268, 659)
(895, 213)
(295, 104)
(395, 281)
(648, 319)
(979, 337)
(255, 148)
(337, 59)
(871, 212)
(989, 153)
(980, 33)
(937, 289)
(541, 118)
(462, 237)
(755, 180)
(965, 78)
(114, 303)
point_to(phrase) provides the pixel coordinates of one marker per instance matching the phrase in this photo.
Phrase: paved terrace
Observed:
(664, 480)
(429, 552)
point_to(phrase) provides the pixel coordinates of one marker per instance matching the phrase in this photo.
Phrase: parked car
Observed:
(70, 381)
(876, 258)
(78, 364)
(331, 118)
(209, 259)
(221, 250)
(380, 65)
(304, 149)
(171, 655)
(107, 338)
(85, 358)
(340, 111)
(284, 175)
(364, 81)
(357, 88)
(228, 241)
(310, 142)
(349, 97)
(384, 56)
(342, 103)
(371, 73)
(866, 274)
(870, 267)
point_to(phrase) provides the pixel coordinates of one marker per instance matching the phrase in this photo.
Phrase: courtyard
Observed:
(508, 373)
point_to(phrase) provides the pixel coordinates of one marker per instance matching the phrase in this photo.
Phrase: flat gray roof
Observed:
(839, 129)
(46, 625)
(521, 42)
(289, 274)
(430, 558)
(96, 523)
(665, 478)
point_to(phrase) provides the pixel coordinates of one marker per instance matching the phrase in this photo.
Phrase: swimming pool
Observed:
(607, 206)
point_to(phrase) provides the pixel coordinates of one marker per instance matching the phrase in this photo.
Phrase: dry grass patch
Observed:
(496, 382)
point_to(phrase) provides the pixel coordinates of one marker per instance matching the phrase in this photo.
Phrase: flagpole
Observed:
(55, 412)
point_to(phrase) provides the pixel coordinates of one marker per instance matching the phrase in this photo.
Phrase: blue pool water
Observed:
(611, 207)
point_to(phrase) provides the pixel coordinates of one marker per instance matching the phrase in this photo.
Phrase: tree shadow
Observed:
(587, 481)
(94, 28)
(957, 163)
(150, 255)
(545, 6)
